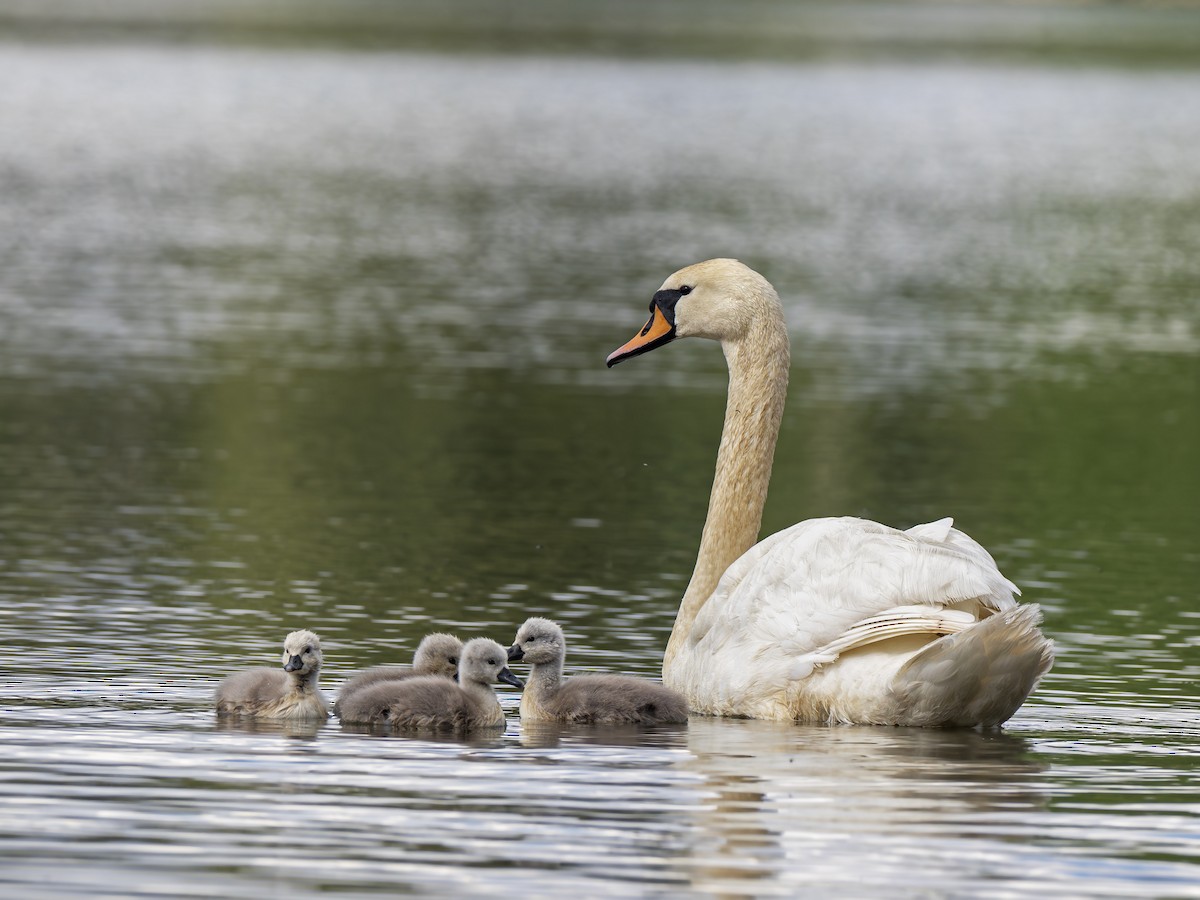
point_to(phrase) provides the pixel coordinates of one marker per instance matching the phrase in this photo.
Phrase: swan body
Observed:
(437, 654)
(289, 693)
(585, 699)
(435, 703)
(834, 620)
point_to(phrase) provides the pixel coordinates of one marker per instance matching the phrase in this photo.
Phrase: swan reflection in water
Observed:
(809, 805)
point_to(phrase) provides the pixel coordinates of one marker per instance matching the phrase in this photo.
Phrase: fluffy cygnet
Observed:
(585, 699)
(437, 654)
(438, 704)
(287, 693)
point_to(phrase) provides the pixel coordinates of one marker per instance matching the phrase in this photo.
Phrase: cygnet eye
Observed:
(308, 649)
(453, 660)
(685, 289)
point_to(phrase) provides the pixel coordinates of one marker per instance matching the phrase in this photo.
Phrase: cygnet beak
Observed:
(509, 678)
(294, 664)
(515, 653)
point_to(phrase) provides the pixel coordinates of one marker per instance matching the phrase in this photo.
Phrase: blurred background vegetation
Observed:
(1154, 32)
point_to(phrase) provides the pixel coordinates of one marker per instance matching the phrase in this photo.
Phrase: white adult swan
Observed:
(836, 620)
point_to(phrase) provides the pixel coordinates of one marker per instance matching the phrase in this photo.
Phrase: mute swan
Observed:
(585, 699)
(435, 703)
(837, 620)
(437, 654)
(290, 693)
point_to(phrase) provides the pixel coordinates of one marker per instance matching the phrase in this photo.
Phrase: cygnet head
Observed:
(301, 652)
(485, 662)
(718, 299)
(438, 654)
(539, 641)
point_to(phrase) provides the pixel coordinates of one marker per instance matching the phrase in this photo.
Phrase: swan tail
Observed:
(979, 676)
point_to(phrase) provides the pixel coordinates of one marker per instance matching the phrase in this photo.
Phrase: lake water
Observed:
(314, 337)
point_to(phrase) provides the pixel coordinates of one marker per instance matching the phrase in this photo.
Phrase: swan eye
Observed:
(685, 289)
(308, 649)
(453, 660)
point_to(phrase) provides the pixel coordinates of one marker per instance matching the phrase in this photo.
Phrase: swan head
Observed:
(485, 662)
(438, 654)
(301, 652)
(719, 299)
(539, 641)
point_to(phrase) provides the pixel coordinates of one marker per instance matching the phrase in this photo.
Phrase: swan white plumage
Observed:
(834, 620)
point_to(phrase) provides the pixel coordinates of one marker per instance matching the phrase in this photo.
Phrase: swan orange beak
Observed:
(658, 331)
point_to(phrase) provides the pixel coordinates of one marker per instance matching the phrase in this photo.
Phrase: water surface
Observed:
(315, 338)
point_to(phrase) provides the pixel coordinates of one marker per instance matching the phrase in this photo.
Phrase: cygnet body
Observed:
(287, 693)
(585, 699)
(434, 703)
(437, 654)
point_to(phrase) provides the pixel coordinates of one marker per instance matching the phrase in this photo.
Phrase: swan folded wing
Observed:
(803, 591)
(942, 532)
(892, 624)
(936, 532)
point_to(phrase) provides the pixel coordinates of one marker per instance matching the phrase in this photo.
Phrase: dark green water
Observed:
(315, 337)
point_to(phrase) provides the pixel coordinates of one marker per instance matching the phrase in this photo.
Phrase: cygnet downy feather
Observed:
(437, 654)
(432, 703)
(287, 693)
(585, 699)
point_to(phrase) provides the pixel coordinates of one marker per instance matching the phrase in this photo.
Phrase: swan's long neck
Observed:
(758, 375)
